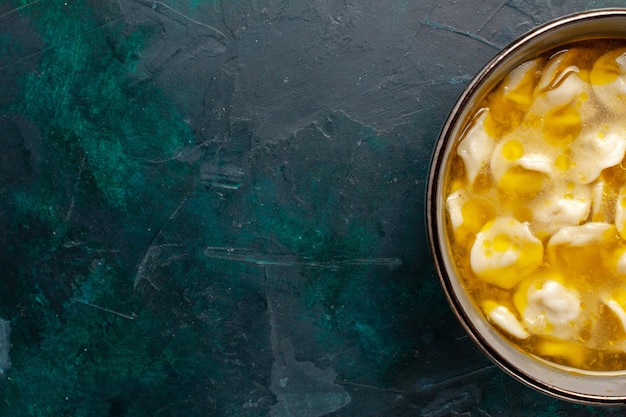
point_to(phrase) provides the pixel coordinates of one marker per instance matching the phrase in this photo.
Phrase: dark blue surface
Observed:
(216, 208)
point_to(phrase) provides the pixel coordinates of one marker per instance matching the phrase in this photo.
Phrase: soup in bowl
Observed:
(526, 208)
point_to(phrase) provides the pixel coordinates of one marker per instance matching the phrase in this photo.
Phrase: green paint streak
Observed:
(85, 111)
(107, 151)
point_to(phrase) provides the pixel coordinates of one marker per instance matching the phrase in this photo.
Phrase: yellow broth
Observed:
(536, 206)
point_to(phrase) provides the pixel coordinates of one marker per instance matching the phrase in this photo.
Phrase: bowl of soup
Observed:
(526, 208)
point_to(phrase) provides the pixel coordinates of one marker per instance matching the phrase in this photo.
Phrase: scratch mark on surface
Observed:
(17, 9)
(490, 18)
(70, 210)
(154, 5)
(452, 29)
(151, 254)
(229, 176)
(248, 256)
(431, 387)
(374, 388)
(131, 316)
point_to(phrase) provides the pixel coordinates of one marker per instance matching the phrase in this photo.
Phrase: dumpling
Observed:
(505, 252)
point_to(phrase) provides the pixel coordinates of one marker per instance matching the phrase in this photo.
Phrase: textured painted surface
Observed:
(215, 208)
